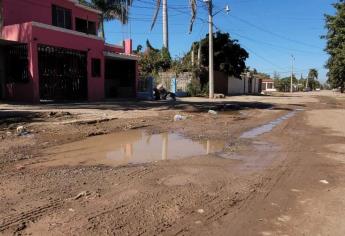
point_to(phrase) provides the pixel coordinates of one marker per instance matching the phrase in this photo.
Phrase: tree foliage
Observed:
(313, 75)
(229, 56)
(283, 84)
(335, 46)
(153, 60)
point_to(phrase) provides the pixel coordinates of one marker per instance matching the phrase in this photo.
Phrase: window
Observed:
(61, 17)
(91, 28)
(96, 67)
(270, 85)
(84, 26)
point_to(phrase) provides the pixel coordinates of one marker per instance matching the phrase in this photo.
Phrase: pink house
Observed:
(49, 50)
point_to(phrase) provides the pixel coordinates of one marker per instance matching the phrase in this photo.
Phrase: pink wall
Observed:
(128, 46)
(21, 11)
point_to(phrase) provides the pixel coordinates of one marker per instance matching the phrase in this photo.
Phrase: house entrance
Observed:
(62, 73)
(120, 78)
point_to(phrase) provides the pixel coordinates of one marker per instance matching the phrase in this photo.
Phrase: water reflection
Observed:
(130, 147)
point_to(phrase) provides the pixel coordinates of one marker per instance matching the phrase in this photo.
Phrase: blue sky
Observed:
(270, 30)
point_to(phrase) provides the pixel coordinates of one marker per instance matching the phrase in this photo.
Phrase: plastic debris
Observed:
(323, 181)
(82, 194)
(20, 129)
(179, 117)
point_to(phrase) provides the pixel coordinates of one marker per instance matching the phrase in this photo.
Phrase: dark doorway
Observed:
(250, 85)
(62, 73)
(13, 65)
(120, 78)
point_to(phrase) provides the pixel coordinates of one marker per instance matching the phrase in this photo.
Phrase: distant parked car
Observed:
(318, 89)
(307, 90)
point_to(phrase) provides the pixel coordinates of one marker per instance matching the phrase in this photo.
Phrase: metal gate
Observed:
(62, 73)
(16, 64)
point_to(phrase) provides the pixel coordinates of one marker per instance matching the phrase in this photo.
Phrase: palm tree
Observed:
(312, 75)
(193, 6)
(111, 10)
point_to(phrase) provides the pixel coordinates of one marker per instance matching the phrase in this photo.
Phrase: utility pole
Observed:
(210, 50)
(292, 65)
(165, 25)
(210, 44)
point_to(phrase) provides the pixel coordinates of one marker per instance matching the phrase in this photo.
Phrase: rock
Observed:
(323, 181)
(219, 96)
(8, 133)
(212, 112)
(20, 167)
(21, 227)
(201, 211)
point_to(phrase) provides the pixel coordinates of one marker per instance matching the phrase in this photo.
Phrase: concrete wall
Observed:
(182, 80)
(242, 86)
(235, 86)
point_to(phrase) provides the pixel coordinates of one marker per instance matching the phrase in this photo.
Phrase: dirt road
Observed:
(262, 166)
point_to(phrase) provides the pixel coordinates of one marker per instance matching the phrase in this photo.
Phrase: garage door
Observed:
(62, 73)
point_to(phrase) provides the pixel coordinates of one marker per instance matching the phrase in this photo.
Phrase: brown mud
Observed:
(137, 172)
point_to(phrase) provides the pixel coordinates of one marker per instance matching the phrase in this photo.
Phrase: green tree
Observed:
(154, 60)
(111, 10)
(283, 85)
(229, 56)
(335, 37)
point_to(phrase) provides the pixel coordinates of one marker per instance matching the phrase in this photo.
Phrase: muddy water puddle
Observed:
(130, 147)
(266, 128)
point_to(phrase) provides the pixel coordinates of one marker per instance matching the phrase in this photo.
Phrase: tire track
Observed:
(30, 215)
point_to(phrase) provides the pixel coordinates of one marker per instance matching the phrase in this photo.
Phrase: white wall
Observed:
(235, 86)
(241, 86)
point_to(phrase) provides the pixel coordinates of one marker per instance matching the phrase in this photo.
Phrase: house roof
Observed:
(268, 80)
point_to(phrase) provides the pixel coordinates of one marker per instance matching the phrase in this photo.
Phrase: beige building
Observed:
(268, 85)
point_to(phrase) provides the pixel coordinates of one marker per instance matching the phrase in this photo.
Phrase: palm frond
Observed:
(158, 6)
(114, 9)
(193, 7)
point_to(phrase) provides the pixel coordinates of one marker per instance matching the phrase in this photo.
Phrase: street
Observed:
(258, 165)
